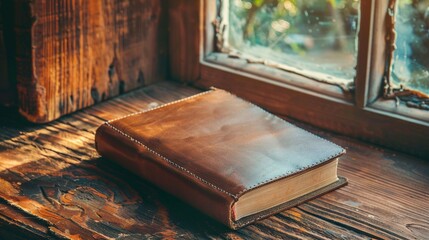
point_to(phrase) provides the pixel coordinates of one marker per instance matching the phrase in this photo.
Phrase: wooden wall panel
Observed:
(71, 54)
(184, 40)
(3, 62)
(5, 94)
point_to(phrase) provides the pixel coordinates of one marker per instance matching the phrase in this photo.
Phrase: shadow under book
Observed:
(223, 155)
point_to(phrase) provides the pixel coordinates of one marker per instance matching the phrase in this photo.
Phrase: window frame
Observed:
(364, 114)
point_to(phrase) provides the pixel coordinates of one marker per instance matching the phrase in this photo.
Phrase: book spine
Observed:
(132, 156)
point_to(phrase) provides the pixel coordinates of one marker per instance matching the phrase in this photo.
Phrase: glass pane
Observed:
(411, 57)
(313, 36)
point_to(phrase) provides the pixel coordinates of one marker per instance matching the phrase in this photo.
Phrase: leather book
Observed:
(223, 155)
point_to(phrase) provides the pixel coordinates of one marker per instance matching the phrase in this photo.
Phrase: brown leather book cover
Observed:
(211, 148)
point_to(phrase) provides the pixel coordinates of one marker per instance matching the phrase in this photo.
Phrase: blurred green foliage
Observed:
(306, 28)
(321, 35)
(267, 22)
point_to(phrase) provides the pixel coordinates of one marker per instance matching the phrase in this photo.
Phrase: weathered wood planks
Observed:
(71, 54)
(53, 184)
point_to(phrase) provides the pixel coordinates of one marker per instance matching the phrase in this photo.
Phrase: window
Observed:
(354, 67)
(315, 38)
(409, 77)
(411, 61)
(318, 39)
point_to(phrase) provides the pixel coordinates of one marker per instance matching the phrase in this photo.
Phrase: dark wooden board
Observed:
(71, 54)
(185, 49)
(53, 184)
(7, 85)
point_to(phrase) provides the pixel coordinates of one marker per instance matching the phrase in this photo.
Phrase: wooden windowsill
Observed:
(54, 184)
(410, 114)
(301, 82)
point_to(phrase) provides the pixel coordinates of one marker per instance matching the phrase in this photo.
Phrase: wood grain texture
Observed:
(71, 54)
(53, 184)
(378, 52)
(184, 39)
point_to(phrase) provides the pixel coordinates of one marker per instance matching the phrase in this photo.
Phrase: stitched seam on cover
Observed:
(160, 106)
(169, 161)
(158, 154)
(201, 179)
(290, 172)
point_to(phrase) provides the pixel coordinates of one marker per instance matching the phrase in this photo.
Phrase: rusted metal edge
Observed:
(412, 98)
